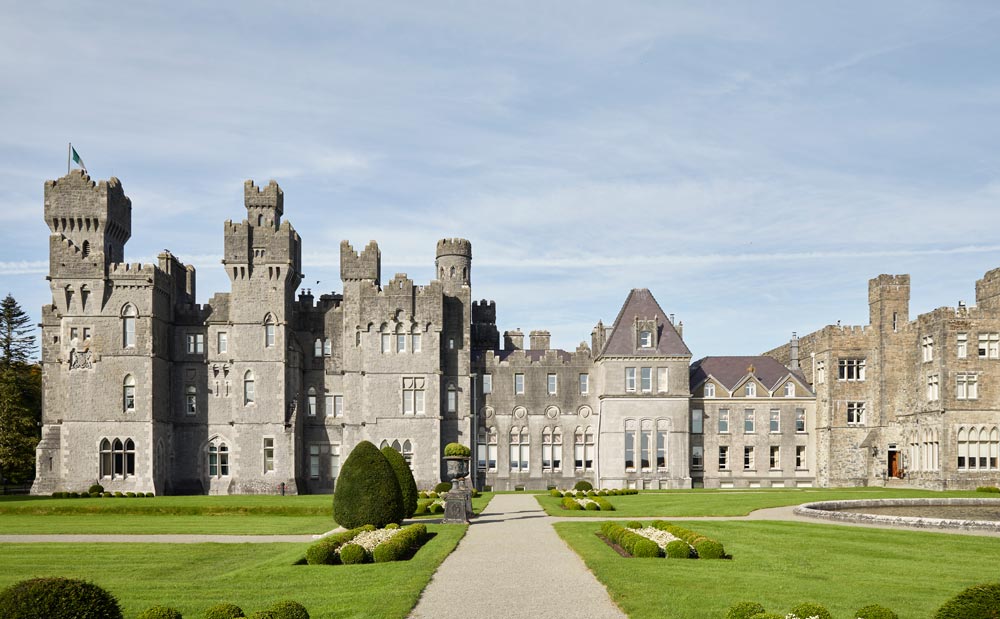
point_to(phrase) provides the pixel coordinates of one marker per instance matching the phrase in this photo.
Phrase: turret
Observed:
(454, 263)
(89, 224)
(484, 328)
(265, 205)
(364, 266)
(889, 301)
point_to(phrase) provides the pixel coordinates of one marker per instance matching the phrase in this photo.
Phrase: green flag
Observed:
(77, 160)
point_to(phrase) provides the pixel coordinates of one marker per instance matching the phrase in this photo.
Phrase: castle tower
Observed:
(889, 302)
(454, 263)
(484, 325)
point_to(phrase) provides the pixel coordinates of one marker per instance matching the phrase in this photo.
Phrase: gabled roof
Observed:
(640, 303)
(730, 371)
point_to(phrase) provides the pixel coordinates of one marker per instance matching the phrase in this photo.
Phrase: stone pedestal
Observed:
(457, 506)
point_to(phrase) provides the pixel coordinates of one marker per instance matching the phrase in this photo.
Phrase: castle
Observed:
(263, 391)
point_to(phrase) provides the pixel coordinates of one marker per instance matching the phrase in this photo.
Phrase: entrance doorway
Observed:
(895, 464)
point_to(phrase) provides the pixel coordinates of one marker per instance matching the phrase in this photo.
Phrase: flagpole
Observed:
(69, 149)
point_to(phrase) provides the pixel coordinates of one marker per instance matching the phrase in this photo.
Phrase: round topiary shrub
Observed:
(977, 602)
(288, 609)
(677, 549)
(875, 611)
(457, 450)
(224, 611)
(554, 492)
(57, 598)
(744, 610)
(367, 490)
(95, 488)
(710, 549)
(437, 508)
(95, 495)
(592, 507)
(391, 526)
(108, 495)
(583, 485)
(633, 524)
(352, 554)
(443, 487)
(811, 609)
(407, 485)
(159, 612)
(150, 495)
(645, 549)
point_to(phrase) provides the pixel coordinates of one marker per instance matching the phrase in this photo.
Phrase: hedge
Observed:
(402, 545)
(324, 552)
(713, 549)
(57, 598)
(224, 610)
(632, 543)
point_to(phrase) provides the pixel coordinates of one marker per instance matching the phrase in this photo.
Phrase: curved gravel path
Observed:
(527, 570)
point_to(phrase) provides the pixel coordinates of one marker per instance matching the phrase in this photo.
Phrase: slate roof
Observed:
(729, 371)
(640, 303)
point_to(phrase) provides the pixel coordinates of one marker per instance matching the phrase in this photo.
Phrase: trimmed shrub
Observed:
(744, 610)
(108, 495)
(875, 611)
(583, 485)
(421, 510)
(288, 609)
(407, 485)
(633, 524)
(591, 493)
(678, 549)
(432, 495)
(367, 490)
(811, 609)
(987, 489)
(130, 495)
(473, 492)
(402, 545)
(95, 495)
(592, 507)
(352, 554)
(605, 504)
(95, 488)
(554, 492)
(710, 549)
(74, 495)
(391, 526)
(159, 612)
(977, 602)
(437, 508)
(119, 495)
(644, 548)
(324, 552)
(602, 493)
(580, 494)
(457, 450)
(570, 503)
(57, 598)
(224, 611)
(150, 495)
(444, 486)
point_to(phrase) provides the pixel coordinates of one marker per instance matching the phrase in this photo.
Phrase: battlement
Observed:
(131, 269)
(532, 358)
(454, 247)
(886, 281)
(988, 290)
(269, 197)
(484, 311)
(366, 265)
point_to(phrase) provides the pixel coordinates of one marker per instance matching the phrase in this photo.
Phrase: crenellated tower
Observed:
(454, 263)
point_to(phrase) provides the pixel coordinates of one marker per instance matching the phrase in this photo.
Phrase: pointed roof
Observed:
(641, 304)
(730, 371)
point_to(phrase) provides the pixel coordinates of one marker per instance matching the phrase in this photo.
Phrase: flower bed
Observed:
(589, 503)
(367, 544)
(582, 494)
(659, 538)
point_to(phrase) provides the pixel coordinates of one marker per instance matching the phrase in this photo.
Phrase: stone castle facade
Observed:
(263, 390)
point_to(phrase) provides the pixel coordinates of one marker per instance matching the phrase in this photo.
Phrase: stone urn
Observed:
(456, 467)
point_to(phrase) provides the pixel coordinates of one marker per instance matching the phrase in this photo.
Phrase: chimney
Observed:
(539, 340)
(793, 357)
(513, 340)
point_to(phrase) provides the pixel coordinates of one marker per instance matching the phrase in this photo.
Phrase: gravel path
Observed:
(512, 564)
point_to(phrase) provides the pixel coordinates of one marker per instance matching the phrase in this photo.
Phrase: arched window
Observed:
(128, 326)
(260, 220)
(106, 466)
(84, 295)
(311, 403)
(465, 273)
(645, 444)
(661, 444)
(408, 452)
(318, 348)
(963, 448)
(269, 331)
(396, 446)
(546, 450)
(118, 458)
(327, 347)
(481, 448)
(383, 444)
(519, 449)
(248, 388)
(629, 444)
(452, 399)
(191, 400)
(452, 272)
(85, 249)
(589, 449)
(415, 343)
(128, 394)
(129, 457)
(69, 297)
(218, 459)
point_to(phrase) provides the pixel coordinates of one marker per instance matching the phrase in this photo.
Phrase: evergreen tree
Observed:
(17, 341)
(20, 394)
(407, 485)
(367, 490)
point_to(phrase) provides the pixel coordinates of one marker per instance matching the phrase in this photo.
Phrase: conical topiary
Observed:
(367, 490)
(407, 485)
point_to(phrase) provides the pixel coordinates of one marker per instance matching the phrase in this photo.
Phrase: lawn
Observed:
(780, 564)
(679, 503)
(196, 515)
(193, 577)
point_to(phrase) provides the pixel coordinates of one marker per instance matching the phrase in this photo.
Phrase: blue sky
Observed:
(752, 164)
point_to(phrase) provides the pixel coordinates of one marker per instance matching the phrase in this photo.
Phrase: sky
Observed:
(752, 164)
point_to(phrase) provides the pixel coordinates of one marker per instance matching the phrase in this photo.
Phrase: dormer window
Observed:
(709, 390)
(645, 339)
(751, 390)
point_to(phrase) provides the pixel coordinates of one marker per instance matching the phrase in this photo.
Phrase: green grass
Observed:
(194, 515)
(679, 503)
(780, 564)
(192, 577)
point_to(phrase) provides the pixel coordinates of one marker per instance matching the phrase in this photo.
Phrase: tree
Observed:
(17, 341)
(367, 490)
(20, 394)
(407, 485)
